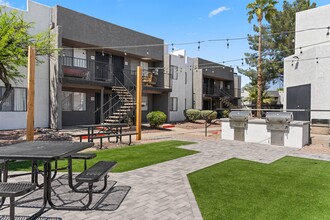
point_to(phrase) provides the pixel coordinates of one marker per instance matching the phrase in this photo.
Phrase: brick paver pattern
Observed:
(162, 191)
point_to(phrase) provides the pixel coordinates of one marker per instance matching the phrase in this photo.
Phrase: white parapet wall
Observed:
(256, 132)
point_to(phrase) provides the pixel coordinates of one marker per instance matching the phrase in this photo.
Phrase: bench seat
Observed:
(13, 190)
(96, 172)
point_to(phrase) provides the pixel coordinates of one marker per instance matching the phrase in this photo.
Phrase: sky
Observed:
(176, 21)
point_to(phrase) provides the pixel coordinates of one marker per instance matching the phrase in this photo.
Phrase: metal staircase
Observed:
(123, 107)
(225, 98)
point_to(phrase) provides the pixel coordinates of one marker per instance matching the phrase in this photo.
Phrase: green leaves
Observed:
(15, 38)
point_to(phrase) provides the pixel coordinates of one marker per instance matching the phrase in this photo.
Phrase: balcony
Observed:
(83, 69)
(217, 92)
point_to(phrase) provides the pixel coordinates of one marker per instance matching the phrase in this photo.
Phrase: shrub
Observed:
(192, 114)
(156, 118)
(225, 113)
(208, 115)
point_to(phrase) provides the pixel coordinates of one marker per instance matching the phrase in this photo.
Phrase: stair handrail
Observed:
(98, 109)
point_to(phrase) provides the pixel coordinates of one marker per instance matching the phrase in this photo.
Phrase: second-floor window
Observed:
(174, 72)
(73, 101)
(16, 102)
(174, 104)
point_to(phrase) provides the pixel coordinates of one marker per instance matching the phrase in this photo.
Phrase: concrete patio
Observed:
(162, 191)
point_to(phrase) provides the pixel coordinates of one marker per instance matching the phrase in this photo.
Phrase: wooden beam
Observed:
(138, 102)
(30, 95)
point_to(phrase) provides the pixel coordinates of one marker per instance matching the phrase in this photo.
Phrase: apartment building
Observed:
(181, 97)
(13, 111)
(93, 79)
(306, 72)
(215, 86)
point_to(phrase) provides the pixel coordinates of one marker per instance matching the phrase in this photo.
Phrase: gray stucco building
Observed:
(96, 57)
(306, 73)
(215, 86)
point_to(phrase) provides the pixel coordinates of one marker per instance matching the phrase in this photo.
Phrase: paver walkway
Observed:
(162, 191)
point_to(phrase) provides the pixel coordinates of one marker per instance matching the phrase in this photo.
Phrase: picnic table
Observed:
(46, 152)
(105, 130)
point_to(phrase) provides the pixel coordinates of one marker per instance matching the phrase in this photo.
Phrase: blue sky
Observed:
(175, 21)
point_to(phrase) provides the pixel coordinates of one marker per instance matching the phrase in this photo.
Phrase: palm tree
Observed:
(261, 9)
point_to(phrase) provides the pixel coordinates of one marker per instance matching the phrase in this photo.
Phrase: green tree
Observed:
(15, 38)
(253, 95)
(261, 9)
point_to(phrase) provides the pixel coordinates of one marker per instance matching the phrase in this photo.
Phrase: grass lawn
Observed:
(128, 158)
(290, 188)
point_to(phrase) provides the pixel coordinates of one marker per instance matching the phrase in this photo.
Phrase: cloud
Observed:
(217, 11)
(3, 2)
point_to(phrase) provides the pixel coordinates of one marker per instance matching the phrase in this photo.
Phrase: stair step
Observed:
(125, 107)
(120, 113)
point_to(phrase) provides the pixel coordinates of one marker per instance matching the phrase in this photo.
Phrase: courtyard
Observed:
(163, 190)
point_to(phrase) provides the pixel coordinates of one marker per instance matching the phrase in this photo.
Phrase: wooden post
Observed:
(138, 102)
(30, 95)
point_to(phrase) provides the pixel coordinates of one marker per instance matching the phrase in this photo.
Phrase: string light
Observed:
(328, 33)
(227, 43)
(199, 45)
(172, 47)
(147, 51)
(301, 50)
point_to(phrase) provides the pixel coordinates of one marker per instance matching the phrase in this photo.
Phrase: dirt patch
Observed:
(316, 149)
(195, 125)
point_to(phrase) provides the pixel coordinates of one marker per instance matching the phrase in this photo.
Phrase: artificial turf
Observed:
(290, 188)
(128, 158)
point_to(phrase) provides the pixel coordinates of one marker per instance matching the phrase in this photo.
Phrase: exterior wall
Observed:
(40, 15)
(82, 28)
(256, 132)
(303, 68)
(180, 88)
(83, 117)
(197, 89)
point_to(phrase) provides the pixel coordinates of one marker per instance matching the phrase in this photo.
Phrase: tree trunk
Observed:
(8, 86)
(259, 101)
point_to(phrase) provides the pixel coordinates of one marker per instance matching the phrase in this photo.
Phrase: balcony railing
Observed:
(216, 91)
(86, 69)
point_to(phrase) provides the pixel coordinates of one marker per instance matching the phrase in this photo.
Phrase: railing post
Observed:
(138, 102)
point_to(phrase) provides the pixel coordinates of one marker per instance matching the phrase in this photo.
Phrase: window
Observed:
(174, 72)
(73, 101)
(174, 104)
(185, 103)
(16, 102)
(185, 78)
(144, 103)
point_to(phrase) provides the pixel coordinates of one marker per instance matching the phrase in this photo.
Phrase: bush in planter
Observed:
(156, 118)
(192, 114)
(208, 115)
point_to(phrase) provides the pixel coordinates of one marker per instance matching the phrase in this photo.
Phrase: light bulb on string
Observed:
(172, 47)
(227, 43)
(102, 53)
(328, 33)
(317, 60)
(199, 45)
(242, 62)
(147, 51)
(301, 51)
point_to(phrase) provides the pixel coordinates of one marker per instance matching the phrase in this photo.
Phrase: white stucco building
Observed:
(307, 72)
(13, 111)
(181, 97)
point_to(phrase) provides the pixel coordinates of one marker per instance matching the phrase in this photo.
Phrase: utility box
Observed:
(238, 121)
(278, 124)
